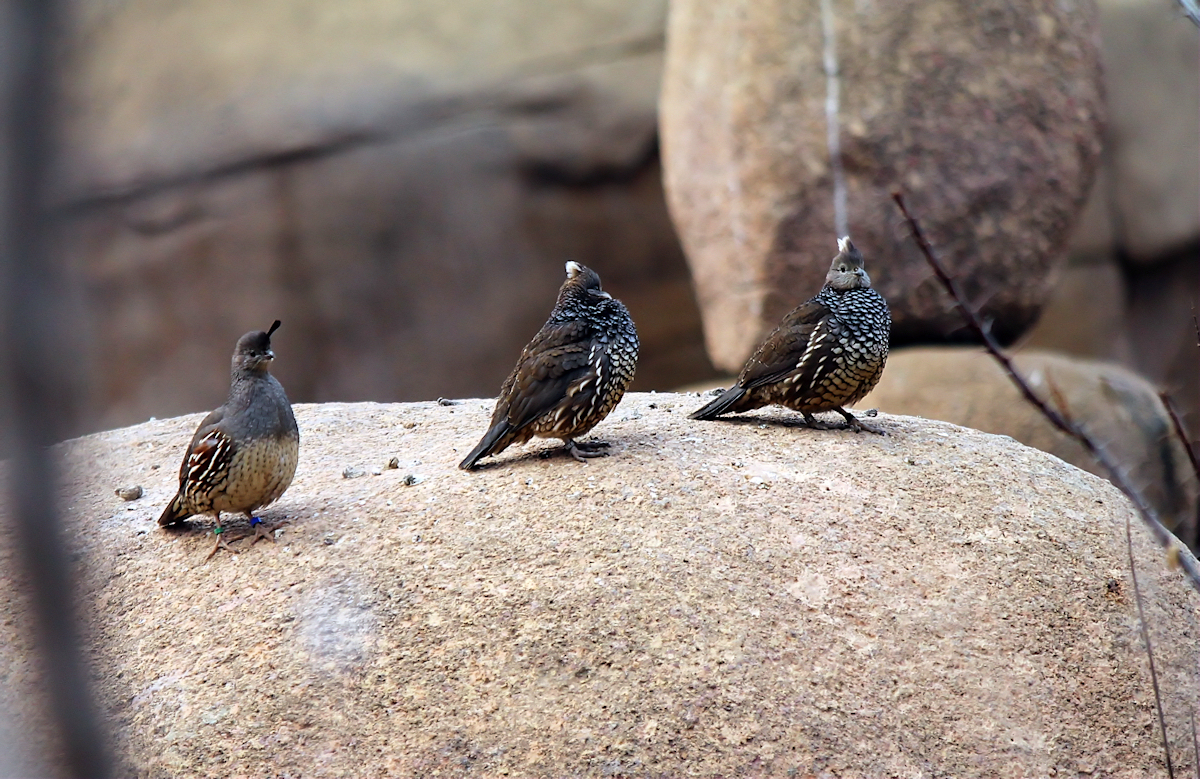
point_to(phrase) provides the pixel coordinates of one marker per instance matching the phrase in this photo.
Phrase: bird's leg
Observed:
(582, 452)
(221, 543)
(857, 425)
(812, 422)
(260, 530)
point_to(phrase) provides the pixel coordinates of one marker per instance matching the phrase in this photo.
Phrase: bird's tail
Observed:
(493, 441)
(720, 404)
(174, 512)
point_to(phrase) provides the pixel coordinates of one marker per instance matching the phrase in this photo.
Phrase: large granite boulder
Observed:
(1117, 407)
(747, 597)
(400, 183)
(1151, 194)
(988, 115)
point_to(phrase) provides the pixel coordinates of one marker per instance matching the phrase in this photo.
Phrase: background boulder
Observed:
(987, 115)
(1119, 409)
(1128, 292)
(400, 183)
(744, 597)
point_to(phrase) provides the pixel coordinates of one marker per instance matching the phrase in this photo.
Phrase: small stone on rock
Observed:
(129, 493)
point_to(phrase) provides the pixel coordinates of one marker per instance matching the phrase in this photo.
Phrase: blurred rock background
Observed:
(989, 117)
(401, 183)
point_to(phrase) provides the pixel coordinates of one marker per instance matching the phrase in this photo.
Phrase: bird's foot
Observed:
(815, 424)
(583, 451)
(857, 425)
(221, 543)
(262, 531)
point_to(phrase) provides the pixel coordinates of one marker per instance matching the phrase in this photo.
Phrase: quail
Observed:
(570, 376)
(827, 353)
(243, 455)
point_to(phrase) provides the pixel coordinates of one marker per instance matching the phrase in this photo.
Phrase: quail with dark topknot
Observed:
(827, 353)
(243, 456)
(570, 376)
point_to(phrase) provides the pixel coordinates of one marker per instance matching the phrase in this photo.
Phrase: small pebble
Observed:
(410, 479)
(447, 402)
(129, 493)
(393, 463)
(353, 472)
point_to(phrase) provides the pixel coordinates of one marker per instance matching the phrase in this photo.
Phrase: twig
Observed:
(1063, 422)
(1180, 432)
(1188, 447)
(1164, 537)
(1137, 598)
(1061, 401)
(1195, 743)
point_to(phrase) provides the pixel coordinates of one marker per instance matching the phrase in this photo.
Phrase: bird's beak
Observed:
(270, 355)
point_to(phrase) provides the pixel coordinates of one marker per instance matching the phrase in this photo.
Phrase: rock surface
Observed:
(987, 115)
(400, 183)
(1118, 408)
(745, 597)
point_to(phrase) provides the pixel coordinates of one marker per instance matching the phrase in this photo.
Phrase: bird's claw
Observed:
(221, 543)
(584, 451)
(857, 425)
(262, 531)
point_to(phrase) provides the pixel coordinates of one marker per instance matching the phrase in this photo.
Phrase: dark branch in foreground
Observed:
(1195, 741)
(1164, 537)
(1188, 447)
(1063, 422)
(1061, 401)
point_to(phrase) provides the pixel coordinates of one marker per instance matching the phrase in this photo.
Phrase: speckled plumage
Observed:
(570, 376)
(244, 454)
(827, 353)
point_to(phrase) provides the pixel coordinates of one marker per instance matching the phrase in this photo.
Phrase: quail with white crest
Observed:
(826, 354)
(570, 376)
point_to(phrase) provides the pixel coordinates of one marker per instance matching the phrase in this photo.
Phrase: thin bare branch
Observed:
(1061, 419)
(1195, 742)
(1116, 476)
(1137, 597)
(1061, 401)
(1190, 448)
(1180, 432)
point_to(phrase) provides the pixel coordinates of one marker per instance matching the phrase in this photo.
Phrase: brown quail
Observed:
(827, 353)
(570, 376)
(243, 456)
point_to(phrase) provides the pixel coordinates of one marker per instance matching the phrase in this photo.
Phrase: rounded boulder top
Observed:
(739, 597)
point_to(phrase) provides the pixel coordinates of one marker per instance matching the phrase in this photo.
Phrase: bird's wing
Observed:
(205, 427)
(208, 461)
(781, 352)
(558, 359)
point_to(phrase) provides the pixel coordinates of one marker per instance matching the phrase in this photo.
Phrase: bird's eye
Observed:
(842, 268)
